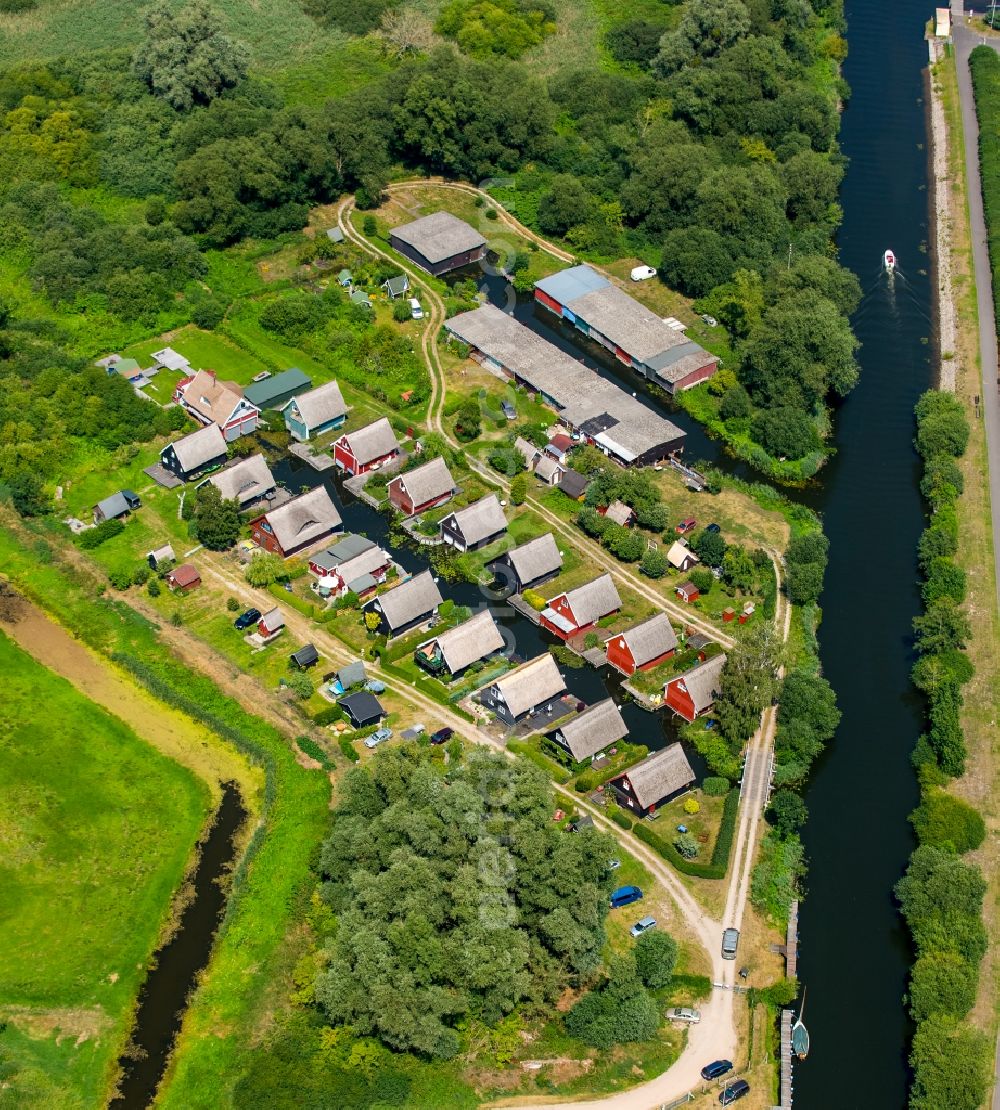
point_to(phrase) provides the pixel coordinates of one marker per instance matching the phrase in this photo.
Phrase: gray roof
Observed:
(305, 656)
(113, 506)
(474, 639)
(371, 559)
(618, 511)
(649, 640)
(334, 234)
(579, 392)
(398, 284)
(594, 600)
(531, 684)
(593, 730)
(349, 547)
(528, 451)
(424, 483)
(245, 481)
(272, 620)
(200, 447)
(703, 682)
(566, 285)
(158, 554)
(305, 518)
(352, 675)
(417, 597)
(481, 519)
(660, 774)
(536, 558)
(362, 706)
(373, 441)
(319, 405)
(439, 236)
(627, 323)
(573, 483)
(680, 360)
(546, 467)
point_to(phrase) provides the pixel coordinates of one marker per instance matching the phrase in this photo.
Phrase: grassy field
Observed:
(97, 830)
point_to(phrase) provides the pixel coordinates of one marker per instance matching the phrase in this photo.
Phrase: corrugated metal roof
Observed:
(567, 285)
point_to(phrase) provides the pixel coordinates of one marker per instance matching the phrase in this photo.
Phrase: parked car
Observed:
(244, 620)
(415, 310)
(734, 1092)
(710, 320)
(442, 735)
(642, 926)
(730, 940)
(684, 1013)
(686, 526)
(713, 528)
(642, 273)
(625, 896)
(716, 1069)
(377, 738)
(508, 410)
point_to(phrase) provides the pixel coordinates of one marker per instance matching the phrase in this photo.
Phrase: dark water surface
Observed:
(164, 995)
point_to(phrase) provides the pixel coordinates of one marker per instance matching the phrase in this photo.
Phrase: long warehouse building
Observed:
(630, 331)
(597, 410)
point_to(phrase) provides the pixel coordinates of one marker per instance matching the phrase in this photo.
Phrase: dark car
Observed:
(244, 620)
(713, 528)
(442, 735)
(716, 1069)
(734, 1092)
(625, 896)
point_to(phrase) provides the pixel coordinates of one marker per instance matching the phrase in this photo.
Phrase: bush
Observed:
(233, 604)
(300, 684)
(153, 587)
(348, 748)
(715, 787)
(100, 533)
(140, 576)
(785, 432)
(655, 958)
(942, 983)
(401, 311)
(944, 821)
(951, 1062)
(519, 489)
(691, 806)
(620, 818)
(942, 428)
(120, 578)
(702, 578)
(535, 600)
(654, 563)
(686, 845)
(620, 1012)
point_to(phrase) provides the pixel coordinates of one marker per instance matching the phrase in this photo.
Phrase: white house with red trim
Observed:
(210, 401)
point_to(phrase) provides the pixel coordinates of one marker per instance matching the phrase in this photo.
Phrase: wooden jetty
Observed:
(792, 942)
(318, 462)
(519, 605)
(644, 701)
(785, 1060)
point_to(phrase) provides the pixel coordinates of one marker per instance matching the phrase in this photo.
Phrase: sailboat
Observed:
(800, 1035)
(889, 262)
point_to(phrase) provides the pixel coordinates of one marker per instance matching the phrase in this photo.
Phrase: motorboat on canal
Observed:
(889, 262)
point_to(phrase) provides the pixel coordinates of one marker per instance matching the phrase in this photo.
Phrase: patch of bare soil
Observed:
(81, 1024)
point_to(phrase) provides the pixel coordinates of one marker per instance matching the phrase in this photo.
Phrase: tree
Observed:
(519, 489)
(951, 1066)
(372, 620)
(749, 681)
(565, 204)
(704, 30)
(935, 541)
(186, 58)
(263, 569)
(942, 983)
(710, 547)
(812, 181)
(944, 580)
(947, 822)
(300, 684)
(695, 260)
(619, 1012)
(785, 432)
(467, 423)
(941, 899)
(702, 578)
(787, 813)
(637, 41)
(738, 568)
(216, 521)
(942, 428)
(655, 958)
(404, 31)
(27, 494)
(942, 626)
(653, 563)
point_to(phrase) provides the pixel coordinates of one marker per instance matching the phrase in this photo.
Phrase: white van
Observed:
(416, 312)
(642, 273)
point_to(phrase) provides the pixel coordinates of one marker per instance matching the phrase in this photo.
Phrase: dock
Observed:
(519, 605)
(785, 1060)
(644, 701)
(318, 462)
(792, 942)
(356, 487)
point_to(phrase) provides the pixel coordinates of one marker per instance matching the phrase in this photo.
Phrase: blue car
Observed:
(716, 1069)
(625, 896)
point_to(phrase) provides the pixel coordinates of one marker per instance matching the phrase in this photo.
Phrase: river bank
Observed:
(980, 786)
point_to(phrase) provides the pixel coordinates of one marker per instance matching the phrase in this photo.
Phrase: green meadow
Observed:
(96, 830)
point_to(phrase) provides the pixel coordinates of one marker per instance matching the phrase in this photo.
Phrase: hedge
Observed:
(348, 748)
(984, 66)
(621, 818)
(522, 747)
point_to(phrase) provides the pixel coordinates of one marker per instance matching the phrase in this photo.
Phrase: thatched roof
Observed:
(659, 775)
(319, 405)
(245, 481)
(200, 447)
(649, 640)
(593, 600)
(531, 684)
(427, 482)
(373, 441)
(703, 683)
(305, 518)
(593, 730)
(535, 559)
(415, 598)
(474, 639)
(481, 519)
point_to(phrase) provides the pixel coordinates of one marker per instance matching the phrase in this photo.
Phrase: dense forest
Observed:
(706, 143)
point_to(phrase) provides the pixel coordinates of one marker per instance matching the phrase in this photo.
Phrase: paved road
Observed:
(965, 41)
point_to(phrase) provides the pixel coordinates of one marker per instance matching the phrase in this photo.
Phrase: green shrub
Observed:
(328, 715)
(348, 748)
(311, 748)
(120, 578)
(621, 818)
(944, 821)
(100, 533)
(233, 604)
(715, 787)
(535, 600)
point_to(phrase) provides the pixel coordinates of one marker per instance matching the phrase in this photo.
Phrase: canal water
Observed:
(178, 963)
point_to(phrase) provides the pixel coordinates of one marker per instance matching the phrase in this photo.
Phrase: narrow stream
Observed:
(177, 964)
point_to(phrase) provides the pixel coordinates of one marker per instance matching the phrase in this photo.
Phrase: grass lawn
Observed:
(97, 830)
(206, 350)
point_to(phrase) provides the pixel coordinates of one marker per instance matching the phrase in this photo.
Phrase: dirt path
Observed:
(168, 730)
